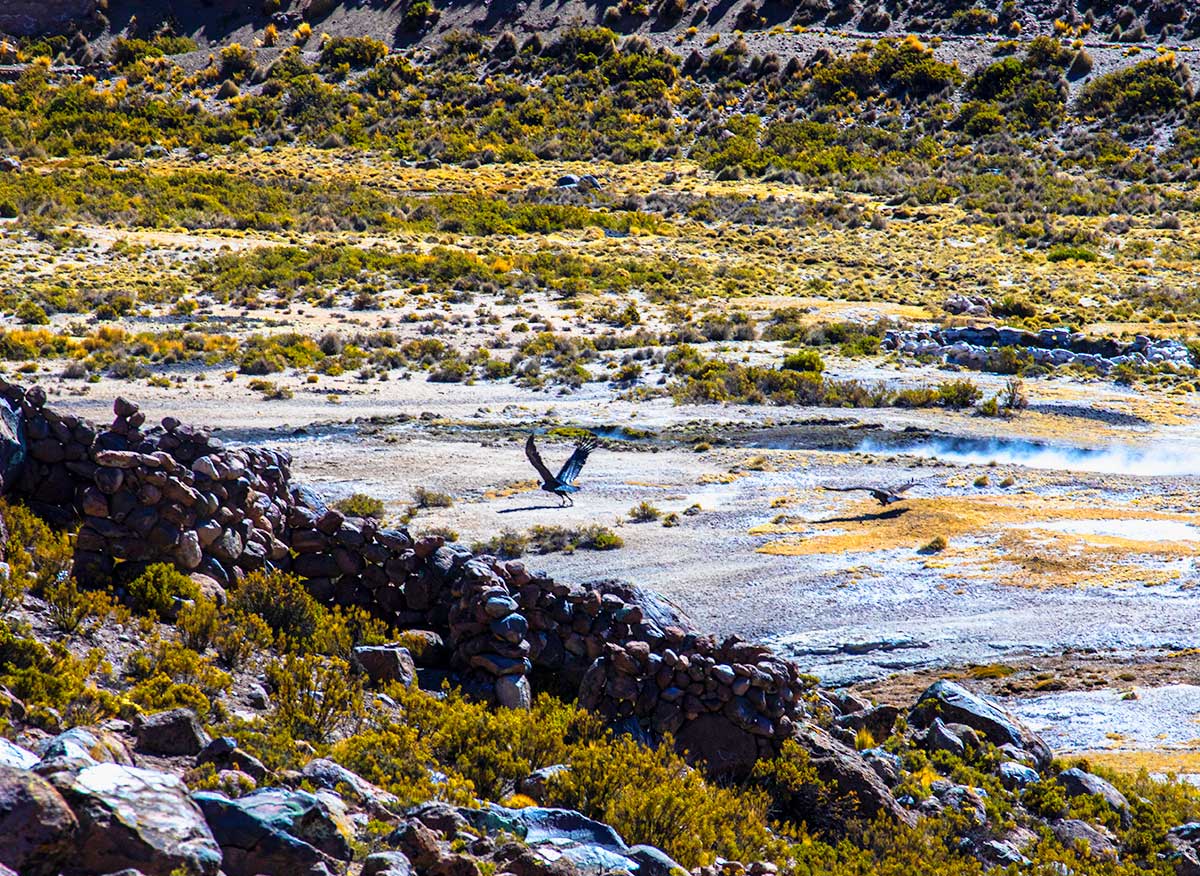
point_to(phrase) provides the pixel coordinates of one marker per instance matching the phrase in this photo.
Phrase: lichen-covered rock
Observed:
(37, 827)
(133, 817)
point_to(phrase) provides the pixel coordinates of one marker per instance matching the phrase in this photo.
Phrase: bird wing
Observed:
(535, 458)
(903, 488)
(574, 464)
(851, 489)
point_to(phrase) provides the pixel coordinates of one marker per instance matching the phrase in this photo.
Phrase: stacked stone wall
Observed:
(174, 493)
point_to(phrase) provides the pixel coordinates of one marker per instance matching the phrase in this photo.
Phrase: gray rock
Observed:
(1016, 775)
(876, 720)
(441, 817)
(499, 606)
(513, 692)
(270, 830)
(1076, 782)
(886, 765)
(132, 816)
(330, 776)
(85, 743)
(386, 663)
(654, 862)
(594, 848)
(997, 853)
(224, 754)
(37, 827)
(837, 763)
(941, 738)
(954, 703)
(1074, 833)
(534, 784)
(173, 733)
(387, 864)
(1184, 841)
(12, 445)
(14, 755)
(967, 800)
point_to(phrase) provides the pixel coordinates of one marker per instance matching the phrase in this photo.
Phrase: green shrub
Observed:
(1065, 252)
(54, 685)
(31, 313)
(313, 697)
(805, 360)
(282, 603)
(958, 394)
(361, 505)
(644, 512)
(427, 498)
(157, 589)
(650, 796)
(69, 607)
(507, 545)
(356, 52)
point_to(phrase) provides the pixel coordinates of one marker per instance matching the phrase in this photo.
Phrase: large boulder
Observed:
(133, 817)
(954, 704)
(37, 828)
(1078, 834)
(223, 753)
(277, 830)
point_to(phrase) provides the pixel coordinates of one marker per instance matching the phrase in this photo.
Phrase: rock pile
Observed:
(997, 348)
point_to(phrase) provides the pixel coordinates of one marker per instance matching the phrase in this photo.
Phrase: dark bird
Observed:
(563, 483)
(883, 495)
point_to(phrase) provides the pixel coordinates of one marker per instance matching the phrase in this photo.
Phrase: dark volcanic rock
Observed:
(275, 830)
(37, 828)
(172, 733)
(953, 703)
(841, 765)
(137, 817)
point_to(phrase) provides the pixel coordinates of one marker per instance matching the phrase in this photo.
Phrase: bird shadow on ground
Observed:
(531, 508)
(890, 514)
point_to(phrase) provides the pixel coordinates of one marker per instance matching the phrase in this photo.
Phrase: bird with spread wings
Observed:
(563, 483)
(883, 495)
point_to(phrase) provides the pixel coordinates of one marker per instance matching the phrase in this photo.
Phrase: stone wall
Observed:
(174, 493)
(992, 346)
